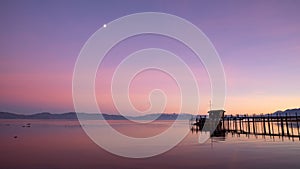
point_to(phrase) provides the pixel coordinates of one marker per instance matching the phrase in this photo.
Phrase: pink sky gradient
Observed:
(258, 43)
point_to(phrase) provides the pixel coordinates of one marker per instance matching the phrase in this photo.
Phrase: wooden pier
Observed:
(265, 125)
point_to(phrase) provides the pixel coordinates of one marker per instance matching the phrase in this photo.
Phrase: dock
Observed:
(273, 125)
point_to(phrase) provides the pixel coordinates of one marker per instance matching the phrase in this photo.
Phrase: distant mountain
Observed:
(290, 112)
(174, 116)
(69, 115)
(88, 116)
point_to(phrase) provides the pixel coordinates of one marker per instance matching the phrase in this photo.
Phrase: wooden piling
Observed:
(272, 125)
(282, 126)
(277, 119)
(264, 124)
(287, 124)
(253, 121)
(228, 123)
(269, 126)
(297, 125)
(235, 123)
(292, 129)
(241, 127)
(249, 130)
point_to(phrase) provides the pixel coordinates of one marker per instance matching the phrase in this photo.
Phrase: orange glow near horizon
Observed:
(37, 91)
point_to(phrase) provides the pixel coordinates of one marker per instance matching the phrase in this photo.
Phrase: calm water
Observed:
(61, 144)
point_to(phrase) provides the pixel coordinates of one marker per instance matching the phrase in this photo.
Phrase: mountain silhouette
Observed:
(89, 116)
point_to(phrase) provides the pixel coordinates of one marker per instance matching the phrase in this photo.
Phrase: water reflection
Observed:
(63, 144)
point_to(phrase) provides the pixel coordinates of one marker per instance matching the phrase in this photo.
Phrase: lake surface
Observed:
(62, 144)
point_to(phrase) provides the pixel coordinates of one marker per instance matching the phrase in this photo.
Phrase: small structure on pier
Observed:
(216, 114)
(214, 121)
(214, 117)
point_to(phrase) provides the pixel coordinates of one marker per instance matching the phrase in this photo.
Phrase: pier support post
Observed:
(287, 124)
(253, 121)
(282, 127)
(297, 125)
(269, 126)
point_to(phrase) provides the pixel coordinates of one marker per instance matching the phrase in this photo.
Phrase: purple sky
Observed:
(258, 42)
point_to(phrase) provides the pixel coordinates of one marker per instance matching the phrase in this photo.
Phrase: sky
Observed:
(258, 43)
